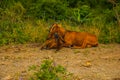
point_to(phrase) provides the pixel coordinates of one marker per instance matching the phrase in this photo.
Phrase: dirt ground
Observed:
(97, 63)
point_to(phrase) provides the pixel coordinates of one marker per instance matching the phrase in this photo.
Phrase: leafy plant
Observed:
(49, 70)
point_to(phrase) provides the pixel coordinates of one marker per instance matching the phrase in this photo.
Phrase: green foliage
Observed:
(49, 70)
(23, 21)
(48, 9)
(81, 15)
(6, 3)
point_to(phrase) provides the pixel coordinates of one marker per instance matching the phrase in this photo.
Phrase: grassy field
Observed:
(37, 31)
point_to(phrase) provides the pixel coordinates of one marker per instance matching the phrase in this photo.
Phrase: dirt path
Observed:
(100, 63)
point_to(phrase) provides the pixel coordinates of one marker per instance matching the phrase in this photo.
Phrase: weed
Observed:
(50, 71)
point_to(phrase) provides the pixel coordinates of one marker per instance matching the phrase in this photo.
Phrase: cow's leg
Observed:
(84, 44)
(92, 44)
(52, 45)
(45, 44)
(66, 45)
(89, 44)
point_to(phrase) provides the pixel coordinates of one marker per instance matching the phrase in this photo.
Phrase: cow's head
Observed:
(55, 29)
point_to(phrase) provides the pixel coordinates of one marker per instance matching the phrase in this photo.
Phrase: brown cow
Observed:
(74, 39)
(52, 43)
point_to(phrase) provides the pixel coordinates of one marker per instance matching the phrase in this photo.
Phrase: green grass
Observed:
(36, 31)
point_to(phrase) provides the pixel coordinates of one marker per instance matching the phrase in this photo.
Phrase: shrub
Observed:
(49, 70)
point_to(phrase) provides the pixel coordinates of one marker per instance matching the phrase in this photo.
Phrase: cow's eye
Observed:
(56, 35)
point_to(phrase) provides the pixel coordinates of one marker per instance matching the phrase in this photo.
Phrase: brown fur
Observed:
(49, 44)
(74, 39)
(52, 43)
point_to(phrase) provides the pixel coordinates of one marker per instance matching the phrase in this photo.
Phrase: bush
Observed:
(45, 9)
(49, 70)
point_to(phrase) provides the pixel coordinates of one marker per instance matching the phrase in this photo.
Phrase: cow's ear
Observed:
(54, 24)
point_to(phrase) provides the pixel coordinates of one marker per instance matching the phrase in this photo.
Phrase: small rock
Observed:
(87, 64)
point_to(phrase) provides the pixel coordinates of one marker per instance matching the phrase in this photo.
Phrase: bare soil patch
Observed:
(97, 63)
